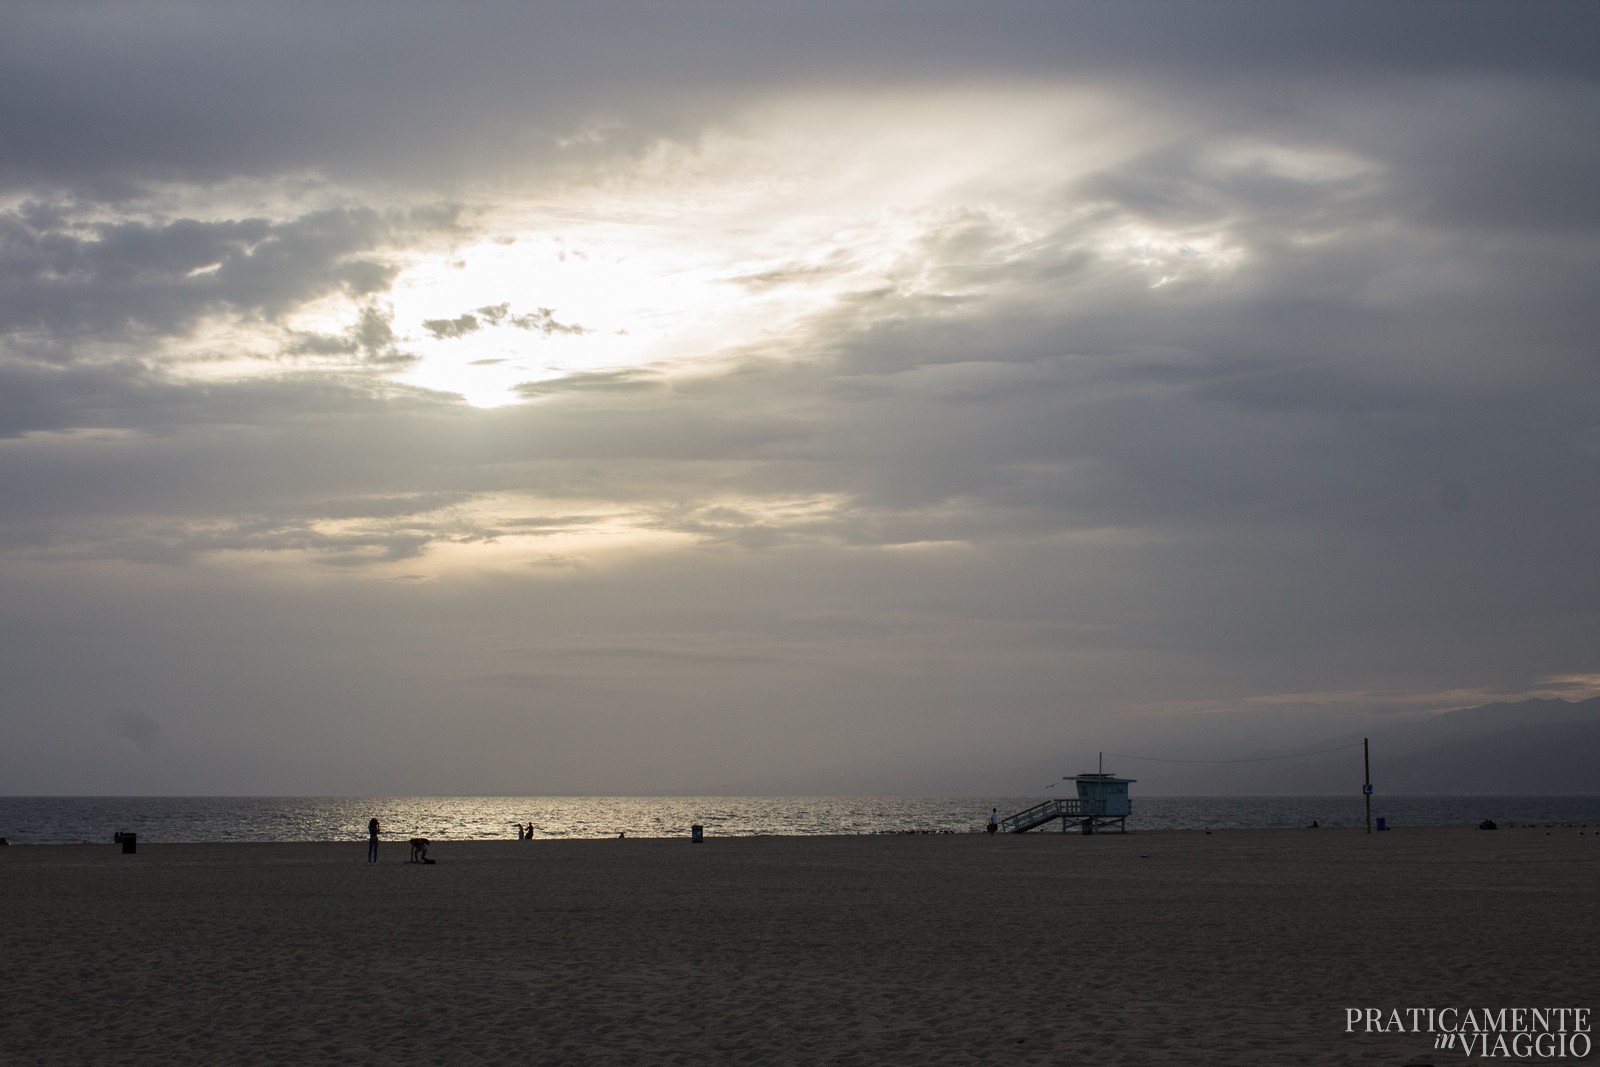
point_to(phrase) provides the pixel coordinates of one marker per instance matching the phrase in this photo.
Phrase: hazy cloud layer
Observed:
(875, 406)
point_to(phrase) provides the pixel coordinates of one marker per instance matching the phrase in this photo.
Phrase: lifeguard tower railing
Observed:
(1072, 811)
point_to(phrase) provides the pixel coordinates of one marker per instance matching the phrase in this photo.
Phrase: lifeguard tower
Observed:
(1102, 801)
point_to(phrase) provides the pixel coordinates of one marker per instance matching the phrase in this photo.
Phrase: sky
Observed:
(772, 398)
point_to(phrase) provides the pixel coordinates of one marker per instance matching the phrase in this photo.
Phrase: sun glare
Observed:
(736, 241)
(550, 302)
(733, 241)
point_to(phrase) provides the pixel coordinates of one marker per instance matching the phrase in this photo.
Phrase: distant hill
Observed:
(1536, 746)
(1530, 747)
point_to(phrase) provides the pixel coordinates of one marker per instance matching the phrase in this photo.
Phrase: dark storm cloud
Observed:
(44, 396)
(72, 280)
(135, 395)
(1495, 153)
(170, 496)
(102, 97)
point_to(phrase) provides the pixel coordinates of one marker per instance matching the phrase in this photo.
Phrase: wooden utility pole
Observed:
(1366, 769)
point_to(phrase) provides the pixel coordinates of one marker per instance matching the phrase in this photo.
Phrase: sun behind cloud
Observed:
(736, 241)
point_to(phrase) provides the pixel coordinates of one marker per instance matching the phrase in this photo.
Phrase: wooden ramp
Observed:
(1067, 809)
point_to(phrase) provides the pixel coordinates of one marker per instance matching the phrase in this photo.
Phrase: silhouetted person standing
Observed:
(372, 841)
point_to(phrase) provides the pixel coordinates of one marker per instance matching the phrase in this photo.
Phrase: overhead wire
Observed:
(1252, 759)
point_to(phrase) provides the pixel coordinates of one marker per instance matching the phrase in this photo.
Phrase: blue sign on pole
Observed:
(1367, 789)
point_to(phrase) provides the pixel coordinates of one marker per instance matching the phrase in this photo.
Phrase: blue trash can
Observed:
(1383, 824)
(697, 833)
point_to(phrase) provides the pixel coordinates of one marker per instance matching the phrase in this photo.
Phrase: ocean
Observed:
(51, 820)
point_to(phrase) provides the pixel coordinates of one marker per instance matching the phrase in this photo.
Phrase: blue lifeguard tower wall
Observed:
(1104, 794)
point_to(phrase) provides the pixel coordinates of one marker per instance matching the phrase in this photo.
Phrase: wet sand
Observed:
(1238, 947)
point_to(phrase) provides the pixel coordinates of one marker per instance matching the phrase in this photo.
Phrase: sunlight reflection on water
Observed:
(43, 820)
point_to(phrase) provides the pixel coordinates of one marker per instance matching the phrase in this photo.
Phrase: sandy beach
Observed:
(1236, 947)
